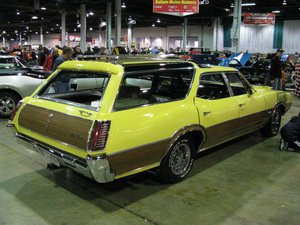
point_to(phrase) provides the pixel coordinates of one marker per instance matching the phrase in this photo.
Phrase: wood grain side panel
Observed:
(225, 131)
(221, 132)
(56, 125)
(139, 157)
(33, 118)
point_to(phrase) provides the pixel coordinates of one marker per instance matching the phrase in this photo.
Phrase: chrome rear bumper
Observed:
(93, 167)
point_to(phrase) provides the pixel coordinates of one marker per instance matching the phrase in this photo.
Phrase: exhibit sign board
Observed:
(259, 18)
(176, 7)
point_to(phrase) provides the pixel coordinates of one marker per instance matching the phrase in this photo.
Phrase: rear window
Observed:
(153, 87)
(83, 88)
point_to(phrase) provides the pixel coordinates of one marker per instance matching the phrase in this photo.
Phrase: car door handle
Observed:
(206, 113)
(241, 105)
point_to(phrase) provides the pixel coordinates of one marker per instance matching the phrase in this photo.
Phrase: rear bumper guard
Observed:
(95, 167)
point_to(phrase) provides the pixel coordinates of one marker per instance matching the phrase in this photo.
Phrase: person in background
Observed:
(41, 56)
(276, 70)
(297, 79)
(67, 54)
(283, 77)
(50, 59)
(154, 51)
(89, 51)
(33, 57)
(77, 51)
(59, 49)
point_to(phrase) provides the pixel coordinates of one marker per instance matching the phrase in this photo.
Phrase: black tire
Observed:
(177, 164)
(8, 102)
(272, 127)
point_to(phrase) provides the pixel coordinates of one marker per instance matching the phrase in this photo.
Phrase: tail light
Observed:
(15, 110)
(99, 135)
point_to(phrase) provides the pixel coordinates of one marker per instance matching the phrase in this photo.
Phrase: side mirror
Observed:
(250, 92)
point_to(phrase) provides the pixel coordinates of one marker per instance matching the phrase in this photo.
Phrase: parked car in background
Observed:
(17, 80)
(256, 72)
(201, 59)
(111, 120)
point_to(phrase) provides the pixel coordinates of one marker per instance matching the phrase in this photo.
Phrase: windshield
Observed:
(73, 87)
(13, 62)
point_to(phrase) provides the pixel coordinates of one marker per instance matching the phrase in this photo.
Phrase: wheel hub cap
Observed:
(7, 105)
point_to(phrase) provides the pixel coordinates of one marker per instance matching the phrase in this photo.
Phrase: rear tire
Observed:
(177, 164)
(272, 127)
(8, 102)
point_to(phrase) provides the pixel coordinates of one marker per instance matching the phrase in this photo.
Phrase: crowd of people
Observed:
(50, 59)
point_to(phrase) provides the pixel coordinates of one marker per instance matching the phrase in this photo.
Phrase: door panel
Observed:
(218, 112)
(251, 105)
(219, 118)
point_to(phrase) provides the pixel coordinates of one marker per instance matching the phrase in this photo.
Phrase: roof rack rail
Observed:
(202, 65)
(116, 58)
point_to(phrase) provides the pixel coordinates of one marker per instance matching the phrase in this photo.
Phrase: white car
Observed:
(17, 80)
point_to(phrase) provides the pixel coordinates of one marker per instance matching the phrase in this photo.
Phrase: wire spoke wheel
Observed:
(180, 159)
(275, 123)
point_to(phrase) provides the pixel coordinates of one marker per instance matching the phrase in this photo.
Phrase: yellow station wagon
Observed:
(108, 120)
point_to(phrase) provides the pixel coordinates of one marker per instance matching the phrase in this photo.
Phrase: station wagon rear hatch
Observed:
(64, 110)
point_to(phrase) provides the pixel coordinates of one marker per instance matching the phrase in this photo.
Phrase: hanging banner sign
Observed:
(176, 7)
(259, 18)
(74, 38)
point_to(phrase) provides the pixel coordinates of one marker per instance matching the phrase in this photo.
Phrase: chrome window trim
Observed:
(154, 71)
(70, 103)
(225, 80)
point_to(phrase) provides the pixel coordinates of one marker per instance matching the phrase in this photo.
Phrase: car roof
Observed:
(7, 56)
(112, 67)
(130, 64)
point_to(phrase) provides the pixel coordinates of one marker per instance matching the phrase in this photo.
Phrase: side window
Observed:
(212, 87)
(152, 88)
(238, 85)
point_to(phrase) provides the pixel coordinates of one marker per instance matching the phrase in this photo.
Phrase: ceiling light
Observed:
(91, 13)
(276, 11)
(245, 4)
(158, 20)
(36, 32)
(75, 30)
(43, 8)
(103, 24)
(34, 17)
(249, 4)
(123, 5)
(8, 22)
(79, 25)
(153, 25)
(57, 25)
(18, 13)
(47, 32)
(91, 28)
(87, 15)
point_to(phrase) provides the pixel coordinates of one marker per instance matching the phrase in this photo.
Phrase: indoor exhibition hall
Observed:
(149, 112)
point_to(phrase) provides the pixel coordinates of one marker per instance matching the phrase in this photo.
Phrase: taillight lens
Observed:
(14, 112)
(99, 135)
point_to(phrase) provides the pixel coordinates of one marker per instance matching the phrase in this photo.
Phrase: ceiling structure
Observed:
(27, 16)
